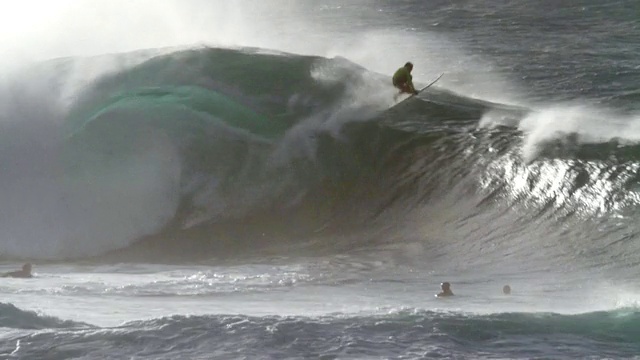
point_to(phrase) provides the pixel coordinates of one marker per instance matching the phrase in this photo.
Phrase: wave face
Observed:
(188, 137)
(207, 150)
(399, 335)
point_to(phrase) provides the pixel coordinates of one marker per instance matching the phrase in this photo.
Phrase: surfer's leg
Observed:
(400, 91)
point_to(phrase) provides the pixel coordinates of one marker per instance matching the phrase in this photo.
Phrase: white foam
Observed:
(590, 124)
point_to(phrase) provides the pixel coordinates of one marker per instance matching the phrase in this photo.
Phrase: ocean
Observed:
(232, 180)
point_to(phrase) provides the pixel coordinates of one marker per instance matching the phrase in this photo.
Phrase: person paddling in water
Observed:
(446, 290)
(403, 80)
(24, 273)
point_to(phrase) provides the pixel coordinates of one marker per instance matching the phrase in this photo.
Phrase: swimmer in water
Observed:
(24, 273)
(506, 290)
(446, 290)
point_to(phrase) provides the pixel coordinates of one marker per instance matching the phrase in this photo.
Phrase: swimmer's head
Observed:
(506, 289)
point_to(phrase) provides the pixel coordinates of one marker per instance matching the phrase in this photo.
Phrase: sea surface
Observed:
(248, 190)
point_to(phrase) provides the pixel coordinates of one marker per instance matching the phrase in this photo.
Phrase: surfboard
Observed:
(419, 91)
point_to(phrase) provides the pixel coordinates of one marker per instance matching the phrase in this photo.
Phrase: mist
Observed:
(39, 30)
(35, 30)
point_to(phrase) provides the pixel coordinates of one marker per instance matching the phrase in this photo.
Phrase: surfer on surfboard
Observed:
(402, 79)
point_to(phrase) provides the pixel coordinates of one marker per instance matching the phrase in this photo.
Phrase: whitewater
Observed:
(231, 180)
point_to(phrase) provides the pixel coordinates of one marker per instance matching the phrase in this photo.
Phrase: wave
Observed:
(15, 318)
(206, 151)
(197, 130)
(407, 334)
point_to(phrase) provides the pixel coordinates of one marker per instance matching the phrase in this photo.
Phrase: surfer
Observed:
(402, 79)
(24, 273)
(446, 290)
(506, 290)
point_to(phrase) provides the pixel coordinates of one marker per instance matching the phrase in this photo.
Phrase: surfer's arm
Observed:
(410, 84)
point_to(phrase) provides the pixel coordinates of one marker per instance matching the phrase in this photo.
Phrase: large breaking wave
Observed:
(193, 148)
